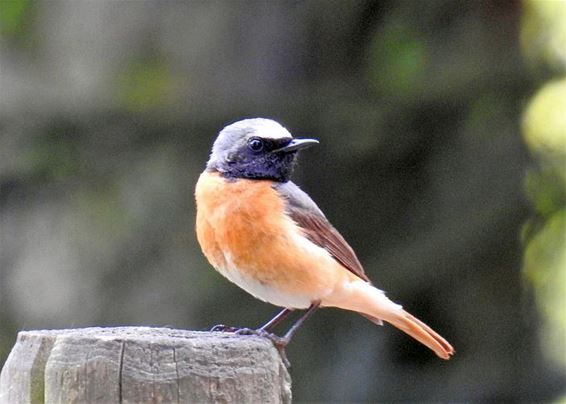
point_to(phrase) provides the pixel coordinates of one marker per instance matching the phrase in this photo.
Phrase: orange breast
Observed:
(245, 234)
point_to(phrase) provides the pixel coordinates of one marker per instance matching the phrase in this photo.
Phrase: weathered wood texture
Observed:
(140, 365)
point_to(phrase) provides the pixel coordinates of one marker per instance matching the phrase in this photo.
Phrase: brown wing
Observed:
(318, 229)
(322, 233)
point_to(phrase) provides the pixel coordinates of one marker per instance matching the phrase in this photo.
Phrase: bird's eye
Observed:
(255, 144)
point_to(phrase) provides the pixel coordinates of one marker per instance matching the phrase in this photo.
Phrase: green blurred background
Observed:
(442, 160)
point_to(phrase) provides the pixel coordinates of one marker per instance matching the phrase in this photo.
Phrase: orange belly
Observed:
(245, 234)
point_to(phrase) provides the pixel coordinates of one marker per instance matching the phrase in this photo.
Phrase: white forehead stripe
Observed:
(268, 129)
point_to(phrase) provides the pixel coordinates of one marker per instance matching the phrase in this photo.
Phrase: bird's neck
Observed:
(275, 168)
(231, 175)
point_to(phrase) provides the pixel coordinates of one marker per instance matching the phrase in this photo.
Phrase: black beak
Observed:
(296, 144)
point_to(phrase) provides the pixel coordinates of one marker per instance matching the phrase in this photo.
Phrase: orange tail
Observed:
(421, 332)
(373, 304)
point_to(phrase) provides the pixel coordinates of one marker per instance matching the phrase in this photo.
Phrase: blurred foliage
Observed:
(544, 126)
(397, 58)
(545, 265)
(145, 85)
(12, 15)
(543, 34)
(545, 189)
(54, 155)
(544, 130)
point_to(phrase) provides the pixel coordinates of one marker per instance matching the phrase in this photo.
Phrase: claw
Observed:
(278, 342)
(283, 354)
(224, 328)
(246, 331)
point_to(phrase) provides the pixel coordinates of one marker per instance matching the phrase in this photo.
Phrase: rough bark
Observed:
(142, 364)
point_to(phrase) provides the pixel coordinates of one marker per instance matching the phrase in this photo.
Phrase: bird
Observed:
(265, 234)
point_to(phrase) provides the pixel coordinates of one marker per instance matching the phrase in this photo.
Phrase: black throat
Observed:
(271, 166)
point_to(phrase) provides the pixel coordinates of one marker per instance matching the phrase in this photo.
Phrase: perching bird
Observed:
(262, 232)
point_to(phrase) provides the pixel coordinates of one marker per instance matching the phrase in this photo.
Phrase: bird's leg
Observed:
(271, 324)
(289, 334)
(281, 342)
(266, 328)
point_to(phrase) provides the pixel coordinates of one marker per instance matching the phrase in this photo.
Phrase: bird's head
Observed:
(256, 148)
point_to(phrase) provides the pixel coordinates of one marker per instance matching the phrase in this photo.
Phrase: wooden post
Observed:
(141, 365)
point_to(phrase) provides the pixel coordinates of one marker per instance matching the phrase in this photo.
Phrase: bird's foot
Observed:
(279, 342)
(224, 328)
(246, 331)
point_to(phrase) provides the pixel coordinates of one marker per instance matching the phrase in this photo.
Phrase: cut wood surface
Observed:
(140, 365)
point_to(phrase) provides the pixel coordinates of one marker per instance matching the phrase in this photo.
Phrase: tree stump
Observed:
(140, 365)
